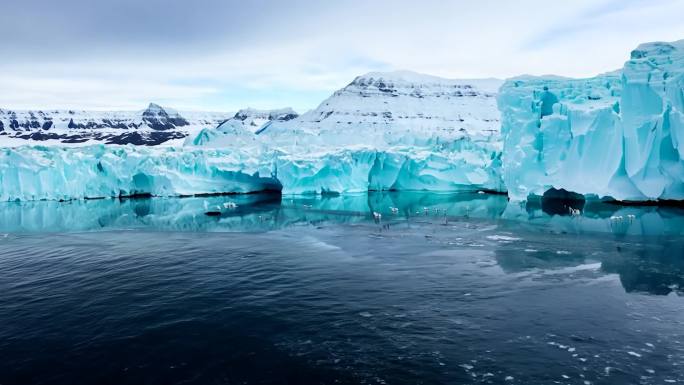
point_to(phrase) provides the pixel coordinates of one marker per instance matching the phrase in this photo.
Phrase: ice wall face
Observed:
(567, 136)
(35, 173)
(616, 135)
(653, 119)
(346, 171)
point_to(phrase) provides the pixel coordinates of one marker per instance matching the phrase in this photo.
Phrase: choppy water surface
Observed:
(304, 291)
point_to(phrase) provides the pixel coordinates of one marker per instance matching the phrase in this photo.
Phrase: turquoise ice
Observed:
(616, 135)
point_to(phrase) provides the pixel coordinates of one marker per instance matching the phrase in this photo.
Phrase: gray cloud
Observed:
(224, 54)
(77, 26)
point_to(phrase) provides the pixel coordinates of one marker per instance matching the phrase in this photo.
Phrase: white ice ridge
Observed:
(618, 135)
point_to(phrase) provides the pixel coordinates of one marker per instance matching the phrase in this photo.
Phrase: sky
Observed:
(223, 55)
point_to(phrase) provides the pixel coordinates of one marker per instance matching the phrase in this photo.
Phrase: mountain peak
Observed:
(154, 107)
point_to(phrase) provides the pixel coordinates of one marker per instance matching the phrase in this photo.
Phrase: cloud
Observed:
(226, 54)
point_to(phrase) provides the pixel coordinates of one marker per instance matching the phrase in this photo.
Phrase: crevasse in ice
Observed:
(616, 135)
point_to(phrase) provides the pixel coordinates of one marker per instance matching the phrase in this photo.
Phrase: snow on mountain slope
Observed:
(398, 108)
(618, 135)
(152, 126)
(241, 128)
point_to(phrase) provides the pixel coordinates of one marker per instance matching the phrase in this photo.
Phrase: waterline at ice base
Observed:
(263, 212)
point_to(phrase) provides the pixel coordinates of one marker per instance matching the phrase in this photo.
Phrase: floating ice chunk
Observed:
(503, 238)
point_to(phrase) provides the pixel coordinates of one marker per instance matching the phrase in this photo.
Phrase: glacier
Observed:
(58, 173)
(54, 173)
(617, 135)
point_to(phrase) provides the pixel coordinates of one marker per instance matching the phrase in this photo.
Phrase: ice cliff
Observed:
(57, 173)
(617, 135)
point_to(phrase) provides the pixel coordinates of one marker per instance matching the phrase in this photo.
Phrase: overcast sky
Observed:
(222, 55)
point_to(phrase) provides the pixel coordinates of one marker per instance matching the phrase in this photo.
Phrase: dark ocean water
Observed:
(314, 291)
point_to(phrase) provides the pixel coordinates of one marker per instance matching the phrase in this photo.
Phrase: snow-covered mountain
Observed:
(152, 126)
(241, 128)
(258, 120)
(399, 108)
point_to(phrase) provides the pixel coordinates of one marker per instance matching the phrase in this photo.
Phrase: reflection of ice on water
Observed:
(264, 212)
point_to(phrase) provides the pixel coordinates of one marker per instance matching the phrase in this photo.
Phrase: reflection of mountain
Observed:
(658, 271)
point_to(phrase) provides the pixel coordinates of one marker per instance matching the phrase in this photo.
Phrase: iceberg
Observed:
(617, 135)
(466, 168)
